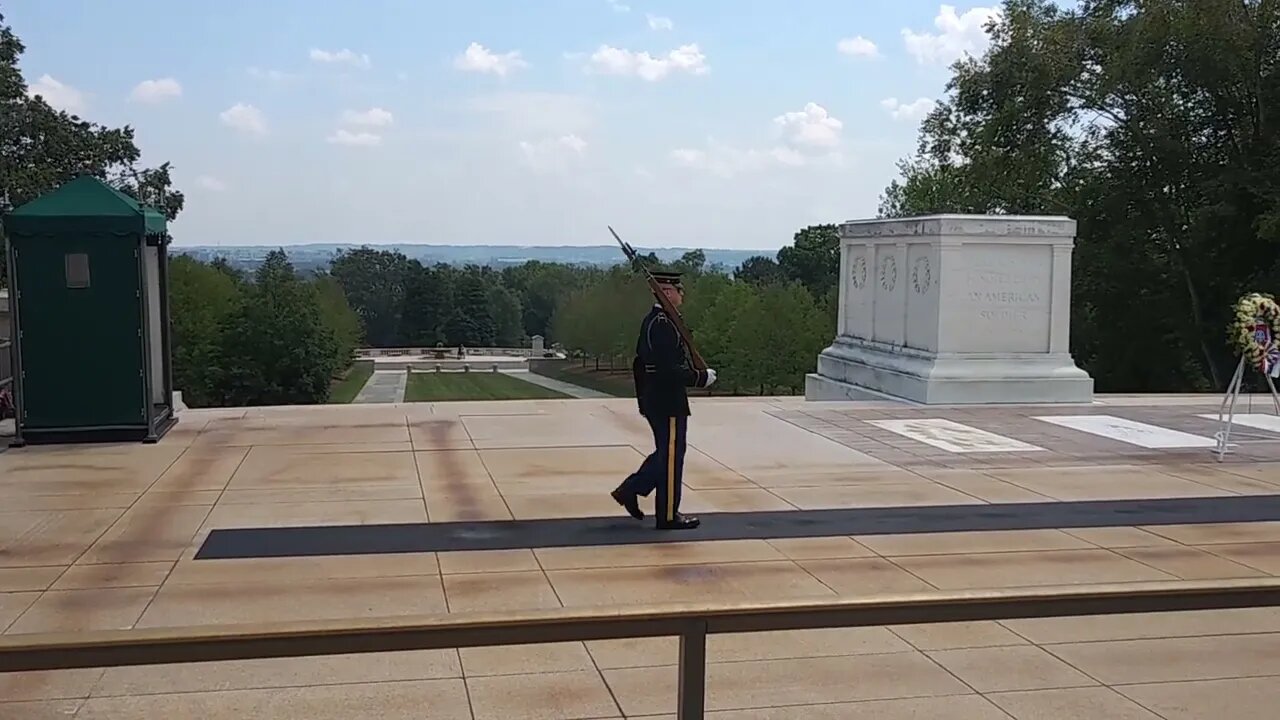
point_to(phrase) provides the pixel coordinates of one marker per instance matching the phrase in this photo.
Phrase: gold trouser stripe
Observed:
(671, 470)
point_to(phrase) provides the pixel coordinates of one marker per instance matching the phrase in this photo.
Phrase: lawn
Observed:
(345, 390)
(436, 387)
(617, 383)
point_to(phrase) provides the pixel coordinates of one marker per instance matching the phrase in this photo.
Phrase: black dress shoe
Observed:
(682, 522)
(629, 501)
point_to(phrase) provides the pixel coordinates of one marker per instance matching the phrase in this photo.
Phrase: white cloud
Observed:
(354, 139)
(726, 162)
(58, 95)
(811, 138)
(619, 6)
(858, 47)
(657, 22)
(154, 91)
(478, 58)
(609, 60)
(908, 111)
(244, 118)
(960, 35)
(340, 57)
(812, 127)
(271, 75)
(213, 184)
(373, 117)
(553, 154)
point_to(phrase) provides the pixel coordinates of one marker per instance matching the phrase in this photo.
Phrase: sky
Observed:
(703, 123)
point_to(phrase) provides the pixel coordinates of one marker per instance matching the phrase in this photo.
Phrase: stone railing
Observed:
(448, 352)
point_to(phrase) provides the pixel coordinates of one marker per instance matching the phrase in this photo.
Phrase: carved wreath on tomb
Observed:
(888, 272)
(1254, 330)
(858, 276)
(921, 275)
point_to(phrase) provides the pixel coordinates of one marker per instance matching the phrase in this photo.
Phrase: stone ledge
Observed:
(993, 227)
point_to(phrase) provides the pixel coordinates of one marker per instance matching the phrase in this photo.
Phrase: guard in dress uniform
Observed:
(662, 372)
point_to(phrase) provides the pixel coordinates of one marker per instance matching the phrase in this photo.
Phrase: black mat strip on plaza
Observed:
(241, 543)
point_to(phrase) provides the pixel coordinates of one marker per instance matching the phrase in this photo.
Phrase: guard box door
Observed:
(80, 314)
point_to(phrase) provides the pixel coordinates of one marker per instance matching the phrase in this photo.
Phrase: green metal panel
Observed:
(82, 352)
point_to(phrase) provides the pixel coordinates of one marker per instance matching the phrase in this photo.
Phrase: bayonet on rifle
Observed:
(678, 320)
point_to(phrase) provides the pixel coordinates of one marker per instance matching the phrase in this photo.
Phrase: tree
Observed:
(601, 320)
(427, 299)
(760, 270)
(374, 282)
(691, 263)
(715, 331)
(276, 347)
(541, 287)
(221, 265)
(813, 258)
(201, 298)
(342, 321)
(472, 321)
(799, 332)
(508, 325)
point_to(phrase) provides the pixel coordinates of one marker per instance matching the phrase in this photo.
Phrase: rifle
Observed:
(695, 357)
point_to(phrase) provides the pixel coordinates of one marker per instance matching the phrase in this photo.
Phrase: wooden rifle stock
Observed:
(676, 318)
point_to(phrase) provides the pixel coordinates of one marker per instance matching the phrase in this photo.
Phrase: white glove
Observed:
(711, 377)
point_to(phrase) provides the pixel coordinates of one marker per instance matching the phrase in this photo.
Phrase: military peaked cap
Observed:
(664, 277)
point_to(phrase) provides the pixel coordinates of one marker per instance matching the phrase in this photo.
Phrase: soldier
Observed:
(662, 372)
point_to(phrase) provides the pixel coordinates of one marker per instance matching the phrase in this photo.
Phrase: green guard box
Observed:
(89, 294)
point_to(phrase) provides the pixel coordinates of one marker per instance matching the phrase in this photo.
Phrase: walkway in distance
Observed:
(107, 537)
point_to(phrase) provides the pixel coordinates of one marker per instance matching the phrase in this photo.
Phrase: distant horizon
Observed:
(256, 246)
(316, 255)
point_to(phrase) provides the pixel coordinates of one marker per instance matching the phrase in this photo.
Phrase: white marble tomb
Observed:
(954, 309)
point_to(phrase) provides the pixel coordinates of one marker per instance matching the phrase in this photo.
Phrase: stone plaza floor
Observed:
(107, 537)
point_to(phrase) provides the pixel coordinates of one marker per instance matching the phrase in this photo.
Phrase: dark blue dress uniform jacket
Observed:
(662, 368)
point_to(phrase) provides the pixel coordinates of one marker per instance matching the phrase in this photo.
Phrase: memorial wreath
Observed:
(1254, 330)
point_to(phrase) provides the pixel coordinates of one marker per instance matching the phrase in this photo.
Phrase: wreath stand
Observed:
(1228, 408)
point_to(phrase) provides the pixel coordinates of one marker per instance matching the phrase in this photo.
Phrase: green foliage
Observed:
(813, 258)
(201, 299)
(374, 282)
(471, 323)
(276, 347)
(342, 321)
(716, 331)
(221, 265)
(508, 323)
(427, 299)
(760, 270)
(760, 338)
(1150, 123)
(540, 288)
